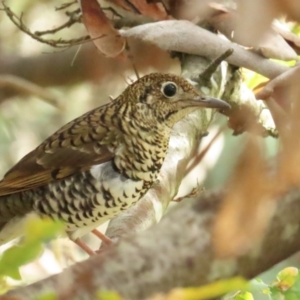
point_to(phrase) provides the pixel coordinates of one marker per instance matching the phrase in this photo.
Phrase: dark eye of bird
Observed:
(169, 89)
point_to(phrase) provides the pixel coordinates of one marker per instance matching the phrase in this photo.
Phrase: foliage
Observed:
(47, 296)
(208, 291)
(286, 286)
(37, 232)
(108, 295)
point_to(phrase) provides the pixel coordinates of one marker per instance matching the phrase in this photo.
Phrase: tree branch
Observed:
(28, 88)
(186, 37)
(176, 252)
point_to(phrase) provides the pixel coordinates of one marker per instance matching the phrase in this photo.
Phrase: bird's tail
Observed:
(13, 212)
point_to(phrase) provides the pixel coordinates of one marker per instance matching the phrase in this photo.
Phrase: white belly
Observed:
(124, 194)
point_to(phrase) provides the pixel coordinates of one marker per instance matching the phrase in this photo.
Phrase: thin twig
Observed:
(29, 88)
(200, 156)
(207, 73)
(196, 191)
(113, 11)
(74, 17)
(65, 5)
(59, 43)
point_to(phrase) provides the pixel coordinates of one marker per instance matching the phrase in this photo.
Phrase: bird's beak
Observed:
(209, 102)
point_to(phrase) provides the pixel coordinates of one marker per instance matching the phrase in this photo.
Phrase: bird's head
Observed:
(167, 98)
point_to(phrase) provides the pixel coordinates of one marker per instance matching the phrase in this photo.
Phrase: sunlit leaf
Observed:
(296, 29)
(42, 230)
(4, 286)
(37, 232)
(17, 256)
(286, 278)
(108, 295)
(244, 296)
(253, 79)
(208, 291)
(47, 296)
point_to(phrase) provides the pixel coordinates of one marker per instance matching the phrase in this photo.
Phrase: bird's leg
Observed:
(105, 239)
(80, 243)
(84, 246)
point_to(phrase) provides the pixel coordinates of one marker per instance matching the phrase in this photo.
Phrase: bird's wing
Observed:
(80, 144)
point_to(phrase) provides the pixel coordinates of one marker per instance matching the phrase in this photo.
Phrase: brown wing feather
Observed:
(85, 141)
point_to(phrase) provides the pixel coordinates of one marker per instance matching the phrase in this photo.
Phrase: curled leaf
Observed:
(106, 38)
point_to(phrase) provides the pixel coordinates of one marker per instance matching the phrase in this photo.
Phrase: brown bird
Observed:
(102, 162)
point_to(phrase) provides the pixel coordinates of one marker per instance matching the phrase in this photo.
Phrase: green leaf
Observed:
(108, 295)
(258, 286)
(42, 229)
(294, 291)
(4, 285)
(47, 296)
(296, 29)
(253, 79)
(37, 232)
(244, 296)
(208, 291)
(286, 278)
(12, 272)
(17, 256)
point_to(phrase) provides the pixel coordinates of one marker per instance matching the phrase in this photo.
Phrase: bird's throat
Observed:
(141, 157)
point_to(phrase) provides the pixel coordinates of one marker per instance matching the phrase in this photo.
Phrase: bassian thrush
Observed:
(102, 162)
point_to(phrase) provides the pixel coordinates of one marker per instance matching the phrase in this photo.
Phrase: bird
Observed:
(101, 163)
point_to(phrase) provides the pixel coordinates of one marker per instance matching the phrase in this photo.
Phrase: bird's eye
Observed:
(169, 89)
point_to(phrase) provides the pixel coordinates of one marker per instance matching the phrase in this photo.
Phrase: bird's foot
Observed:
(105, 239)
(84, 247)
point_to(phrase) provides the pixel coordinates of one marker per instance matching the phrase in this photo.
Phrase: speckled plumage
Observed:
(102, 162)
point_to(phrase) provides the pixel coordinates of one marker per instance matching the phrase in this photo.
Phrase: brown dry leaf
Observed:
(273, 45)
(191, 10)
(247, 207)
(223, 19)
(153, 10)
(279, 115)
(289, 160)
(270, 44)
(282, 96)
(241, 117)
(123, 4)
(289, 7)
(147, 56)
(280, 88)
(255, 18)
(292, 39)
(105, 37)
(260, 86)
(167, 4)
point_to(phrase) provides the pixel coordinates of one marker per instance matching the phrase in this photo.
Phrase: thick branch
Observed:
(58, 69)
(176, 252)
(185, 37)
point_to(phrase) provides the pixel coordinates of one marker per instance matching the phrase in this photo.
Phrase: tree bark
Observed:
(176, 252)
